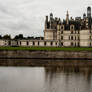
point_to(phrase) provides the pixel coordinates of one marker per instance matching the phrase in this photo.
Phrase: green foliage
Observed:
(47, 48)
(6, 37)
(20, 36)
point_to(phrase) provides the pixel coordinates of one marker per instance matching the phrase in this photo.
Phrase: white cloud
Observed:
(27, 16)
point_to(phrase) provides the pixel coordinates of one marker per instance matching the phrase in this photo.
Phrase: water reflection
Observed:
(46, 79)
(69, 79)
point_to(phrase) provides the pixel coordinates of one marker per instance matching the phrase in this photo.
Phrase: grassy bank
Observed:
(47, 48)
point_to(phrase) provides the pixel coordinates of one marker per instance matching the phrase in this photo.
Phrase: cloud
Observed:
(27, 16)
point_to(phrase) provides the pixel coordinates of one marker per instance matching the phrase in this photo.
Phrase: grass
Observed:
(48, 48)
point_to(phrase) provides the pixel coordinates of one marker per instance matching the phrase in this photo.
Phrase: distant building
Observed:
(70, 32)
(66, 33)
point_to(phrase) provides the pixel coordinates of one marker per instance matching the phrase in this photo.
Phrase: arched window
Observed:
(78, 32)
(33, 43)
(27, 43)
(71, 43)
(44, 43)
(61, 32)
(20, 43)
(71, 37)
(90, 37)
(61, 43)
(90, 44)
(61, 37)
(78, 44)
(72, 32)
(51, 43)
(17, 43)
(78, 38)
(38, 43)
(56, 43)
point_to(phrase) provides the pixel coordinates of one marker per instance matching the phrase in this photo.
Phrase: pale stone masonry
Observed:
(70, 32)
(67, 33)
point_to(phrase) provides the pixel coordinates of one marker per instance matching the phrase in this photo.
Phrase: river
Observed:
(46, 79)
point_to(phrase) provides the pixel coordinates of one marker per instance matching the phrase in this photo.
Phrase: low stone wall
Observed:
(45, 54)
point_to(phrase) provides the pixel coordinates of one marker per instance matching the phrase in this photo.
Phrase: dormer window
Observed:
(72, 28)
(62, 27)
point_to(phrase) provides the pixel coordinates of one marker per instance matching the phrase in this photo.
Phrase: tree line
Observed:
(20, 36)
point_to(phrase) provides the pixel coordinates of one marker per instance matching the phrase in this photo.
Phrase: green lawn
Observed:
(47, 48)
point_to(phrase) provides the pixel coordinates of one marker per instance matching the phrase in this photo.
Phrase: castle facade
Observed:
(70, 32)
(67, 33)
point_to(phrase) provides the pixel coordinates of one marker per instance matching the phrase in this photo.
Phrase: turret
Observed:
(67, 18)
(84, 16)
(89, 17)
(51, 16)
(89, 12)
(51, 19)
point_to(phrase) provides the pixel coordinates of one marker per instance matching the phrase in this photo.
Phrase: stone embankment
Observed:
(19, 54)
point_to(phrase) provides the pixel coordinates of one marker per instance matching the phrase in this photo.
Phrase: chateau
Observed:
(61, 33)
(70, 32)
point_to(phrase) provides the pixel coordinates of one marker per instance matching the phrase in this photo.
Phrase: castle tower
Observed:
(67, 18)
(89, 16)
(46, 21)
(89, 12)
(51, 18)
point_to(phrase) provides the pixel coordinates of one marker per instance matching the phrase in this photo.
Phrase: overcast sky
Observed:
(27, 16)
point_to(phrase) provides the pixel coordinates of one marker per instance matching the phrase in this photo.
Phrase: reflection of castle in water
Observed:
(68, 70)
(68, 79)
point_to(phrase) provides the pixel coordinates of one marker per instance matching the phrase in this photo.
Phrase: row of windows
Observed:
(38, 43)
(72, 38)
(75, 44)
(72, 44)
(72, 32)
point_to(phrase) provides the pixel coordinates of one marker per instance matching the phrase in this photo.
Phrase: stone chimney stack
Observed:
(46, 21)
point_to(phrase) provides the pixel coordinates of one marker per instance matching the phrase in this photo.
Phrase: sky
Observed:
(27, 16)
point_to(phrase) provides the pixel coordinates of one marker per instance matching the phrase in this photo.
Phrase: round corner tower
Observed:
(89, 12)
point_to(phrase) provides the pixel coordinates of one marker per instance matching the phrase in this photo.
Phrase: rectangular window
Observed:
(71, 37)
(27, 43)
(38, 43)
(51, 43)
(61, 37)
(20, 43)
(33, 43)
(44, 43)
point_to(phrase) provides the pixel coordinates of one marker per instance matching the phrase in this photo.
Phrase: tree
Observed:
(16, 37)
(0, 37)
(6, 36)
(20, 36)
(31, 38)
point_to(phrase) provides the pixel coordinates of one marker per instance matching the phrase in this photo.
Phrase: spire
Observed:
(67, 18)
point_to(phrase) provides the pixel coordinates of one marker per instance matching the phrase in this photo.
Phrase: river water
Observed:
(46, 79)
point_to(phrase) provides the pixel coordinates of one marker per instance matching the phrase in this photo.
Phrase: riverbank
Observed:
(44, 54)
(45, 63)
